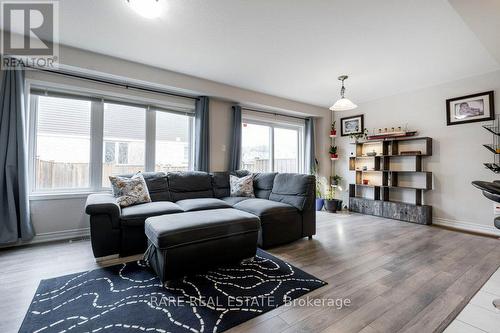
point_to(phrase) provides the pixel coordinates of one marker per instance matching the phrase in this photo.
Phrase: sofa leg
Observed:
(310, 237)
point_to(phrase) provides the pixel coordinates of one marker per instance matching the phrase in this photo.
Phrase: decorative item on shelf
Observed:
(366, 182)
(320, 185)
(410, 152)
(364, 168)
(493, 167)
(359, 136)
(343, 104)
(332, 205)
(471, 108)
(333, 131)
(333, 153)
(351, 125)
(371, 153)
(393, 132)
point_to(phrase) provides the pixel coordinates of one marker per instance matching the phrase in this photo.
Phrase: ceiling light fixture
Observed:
(343, 104)
(147, 8)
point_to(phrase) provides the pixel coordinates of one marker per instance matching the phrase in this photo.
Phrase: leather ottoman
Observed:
(191, 242)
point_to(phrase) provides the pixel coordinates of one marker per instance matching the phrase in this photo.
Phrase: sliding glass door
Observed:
(268, 147)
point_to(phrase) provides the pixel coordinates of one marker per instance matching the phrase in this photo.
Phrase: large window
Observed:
(77, 142)
(124, 140)
(270, 147)
(62, 155)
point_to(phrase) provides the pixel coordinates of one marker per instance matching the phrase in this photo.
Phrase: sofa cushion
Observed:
(189, 185)
(294, 189)
(157, 185)
(263, 207)
(136, 215)
(176, 230)
(234, 200)
(263, 184)
(220, 184)
(189, 205)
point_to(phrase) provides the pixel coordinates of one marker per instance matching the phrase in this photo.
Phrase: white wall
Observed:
(65, 217)
(458, 154)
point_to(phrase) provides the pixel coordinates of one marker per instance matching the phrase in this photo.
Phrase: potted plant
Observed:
(333, 153)
(332, 205)
(333, 131)
(336, 179)
(358, 136)
(320, 201)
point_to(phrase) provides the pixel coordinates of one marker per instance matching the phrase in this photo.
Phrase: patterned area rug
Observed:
(129, 297)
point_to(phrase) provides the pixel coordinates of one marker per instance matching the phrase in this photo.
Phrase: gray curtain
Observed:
(202, 139)
(235, 158)
(15, 221)
(310, 147)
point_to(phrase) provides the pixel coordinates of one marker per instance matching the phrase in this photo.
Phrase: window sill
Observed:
(62, 195)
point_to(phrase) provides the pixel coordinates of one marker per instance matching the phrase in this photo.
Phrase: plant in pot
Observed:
(357, 136)
(336, 180)
(320, 185)
(333, 131)
(333, 153)
(332, 205)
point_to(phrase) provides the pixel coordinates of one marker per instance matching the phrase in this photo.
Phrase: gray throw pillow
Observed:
(130, 191)
(241, 187)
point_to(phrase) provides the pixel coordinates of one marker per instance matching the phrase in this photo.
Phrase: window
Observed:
(256, 147)
(173, 142)
(125, 128)
(62, 144)
(77, 142)
(267, 147)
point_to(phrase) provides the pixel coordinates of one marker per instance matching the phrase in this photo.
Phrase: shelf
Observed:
(411, 138)
(493, 149)
(400, 187)
(493, 167)
(333, 136)
(334, 159)
(493, 129)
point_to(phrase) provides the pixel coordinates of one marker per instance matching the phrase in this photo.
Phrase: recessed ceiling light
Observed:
(147, 8)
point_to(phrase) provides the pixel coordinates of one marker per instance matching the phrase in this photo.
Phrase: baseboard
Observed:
(467, 226)
(60, 235)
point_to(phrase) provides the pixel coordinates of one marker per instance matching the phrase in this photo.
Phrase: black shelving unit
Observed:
(494, 147)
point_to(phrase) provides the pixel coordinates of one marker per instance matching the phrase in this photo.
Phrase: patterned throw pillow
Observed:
(130, 191)
(241, 187)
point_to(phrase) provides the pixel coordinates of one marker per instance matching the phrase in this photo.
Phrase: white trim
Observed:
(106, 258)
(54, 236)
(467, 226)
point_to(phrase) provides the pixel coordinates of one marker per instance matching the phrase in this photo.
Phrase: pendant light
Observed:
(343, 104)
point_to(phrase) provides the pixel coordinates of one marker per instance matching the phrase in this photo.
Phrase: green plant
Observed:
(337, 178)
(361, 135)
(333, 125)
(333, 150)
(330, 193)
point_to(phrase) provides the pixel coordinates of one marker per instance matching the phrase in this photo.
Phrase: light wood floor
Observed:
(399, 277)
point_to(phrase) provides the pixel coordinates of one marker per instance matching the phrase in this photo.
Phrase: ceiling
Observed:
(290, 48)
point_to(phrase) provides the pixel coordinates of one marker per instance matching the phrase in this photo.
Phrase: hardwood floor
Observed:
(399, 277)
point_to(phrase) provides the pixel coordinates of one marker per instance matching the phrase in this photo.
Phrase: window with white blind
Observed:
(271, 145)
(77, 142)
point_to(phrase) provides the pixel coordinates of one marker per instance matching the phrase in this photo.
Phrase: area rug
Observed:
(129, 297)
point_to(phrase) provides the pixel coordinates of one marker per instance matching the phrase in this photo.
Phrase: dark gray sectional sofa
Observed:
(284, 204)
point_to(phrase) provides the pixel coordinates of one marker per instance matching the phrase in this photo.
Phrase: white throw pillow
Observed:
(130, 191)
(241, 187)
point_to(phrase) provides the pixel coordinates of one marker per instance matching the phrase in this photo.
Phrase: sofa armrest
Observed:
(104, 204)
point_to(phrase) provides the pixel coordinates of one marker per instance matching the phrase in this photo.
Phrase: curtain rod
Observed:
(273, 113)
(115, 83)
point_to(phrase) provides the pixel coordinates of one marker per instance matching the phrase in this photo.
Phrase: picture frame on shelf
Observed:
(352, 125)
(470, 108)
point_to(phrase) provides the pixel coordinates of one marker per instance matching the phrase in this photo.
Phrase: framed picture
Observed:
(351, 125)
(469, 109)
